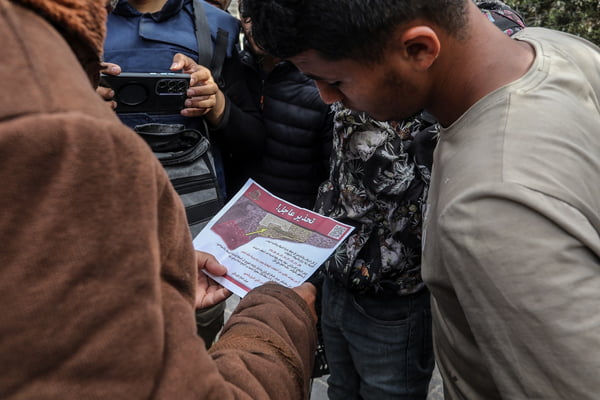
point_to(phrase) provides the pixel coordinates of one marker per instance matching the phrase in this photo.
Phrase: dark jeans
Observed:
(376, 348)
(209, 322)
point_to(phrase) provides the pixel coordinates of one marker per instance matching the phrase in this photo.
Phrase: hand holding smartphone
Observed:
(151, 93)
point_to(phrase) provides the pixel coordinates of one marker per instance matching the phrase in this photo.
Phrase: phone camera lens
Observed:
(181, 86)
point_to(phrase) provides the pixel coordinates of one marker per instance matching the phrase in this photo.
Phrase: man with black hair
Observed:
(510, 241)
(373, 292)
(297, 127)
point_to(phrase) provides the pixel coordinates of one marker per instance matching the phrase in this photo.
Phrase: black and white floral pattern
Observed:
(378, 183)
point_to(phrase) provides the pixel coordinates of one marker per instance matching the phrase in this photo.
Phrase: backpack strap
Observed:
(216, 64)
(206, 56)
(203, 36)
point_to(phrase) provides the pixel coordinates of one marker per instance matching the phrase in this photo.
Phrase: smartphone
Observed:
(150, 92)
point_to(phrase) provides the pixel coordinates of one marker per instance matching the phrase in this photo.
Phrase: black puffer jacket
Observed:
(298, 134)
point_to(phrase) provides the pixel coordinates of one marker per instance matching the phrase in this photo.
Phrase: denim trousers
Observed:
(377, 348)
(209, 322)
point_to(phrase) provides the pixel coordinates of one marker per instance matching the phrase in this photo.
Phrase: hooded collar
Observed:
(83, 25)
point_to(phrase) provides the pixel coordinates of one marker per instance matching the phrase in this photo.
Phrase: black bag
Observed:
(185, 155)
(321, 367)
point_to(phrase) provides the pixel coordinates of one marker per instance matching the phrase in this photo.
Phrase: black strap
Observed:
(206, 56)
(202, 33)
(216, 65)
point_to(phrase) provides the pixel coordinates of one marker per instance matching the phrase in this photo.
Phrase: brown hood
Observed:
(83, 25)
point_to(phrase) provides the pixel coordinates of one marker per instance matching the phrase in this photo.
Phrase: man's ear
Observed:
(421, 46)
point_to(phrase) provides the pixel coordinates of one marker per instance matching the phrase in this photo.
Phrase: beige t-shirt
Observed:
(511, 242)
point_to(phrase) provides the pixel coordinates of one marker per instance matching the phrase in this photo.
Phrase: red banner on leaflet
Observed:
(297, 215)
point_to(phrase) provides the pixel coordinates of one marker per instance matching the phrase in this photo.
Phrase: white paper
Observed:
(260, 237)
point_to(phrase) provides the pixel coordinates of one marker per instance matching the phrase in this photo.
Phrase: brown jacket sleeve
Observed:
(267, 346)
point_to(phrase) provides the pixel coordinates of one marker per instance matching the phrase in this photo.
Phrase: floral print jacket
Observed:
(379, 175)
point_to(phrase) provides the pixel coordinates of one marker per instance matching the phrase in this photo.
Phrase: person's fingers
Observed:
(105, 92)
(180, 62)
(308, 292)
(209, 292)
(210, 263)
(110, 68)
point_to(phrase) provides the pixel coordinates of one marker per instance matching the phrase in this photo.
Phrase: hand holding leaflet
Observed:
(261, 238)
(208, 292)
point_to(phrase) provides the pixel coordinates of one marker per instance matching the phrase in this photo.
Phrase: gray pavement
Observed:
(319, 385)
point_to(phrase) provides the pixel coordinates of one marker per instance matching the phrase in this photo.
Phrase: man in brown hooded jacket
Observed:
(98, 274)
